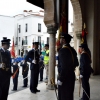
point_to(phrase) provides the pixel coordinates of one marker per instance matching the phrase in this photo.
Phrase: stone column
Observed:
(78, 35)
(50, 20)
(52, 31)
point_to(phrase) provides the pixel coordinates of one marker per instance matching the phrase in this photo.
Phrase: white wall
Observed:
(6, 27)
(32, 33)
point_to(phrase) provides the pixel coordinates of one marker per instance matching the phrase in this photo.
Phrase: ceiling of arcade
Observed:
(77, 15)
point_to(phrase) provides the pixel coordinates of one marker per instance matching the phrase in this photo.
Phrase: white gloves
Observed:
(81, 76)
(59, 82)
(34, 61)
(23, 61)
(12, 60)
(1, 65)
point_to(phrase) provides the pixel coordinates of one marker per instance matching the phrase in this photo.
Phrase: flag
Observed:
(12, 51)
(62, 29)
(84, 34)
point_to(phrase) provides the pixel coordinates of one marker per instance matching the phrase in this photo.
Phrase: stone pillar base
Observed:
(50, 87)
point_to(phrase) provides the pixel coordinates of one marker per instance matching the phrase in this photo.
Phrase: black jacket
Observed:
(33, 55)
(85, 64)
(5, 58)
(25, 68)
(68, 61)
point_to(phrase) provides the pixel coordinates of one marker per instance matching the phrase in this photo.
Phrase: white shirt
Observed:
(4, 51)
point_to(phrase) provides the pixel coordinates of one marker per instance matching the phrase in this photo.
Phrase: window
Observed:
(19, 51)
(19, 29)
(47, 40)
(16, 43)
(26, 27)
(19, 39)
(39, 27)
(25, 40)
(39, 39)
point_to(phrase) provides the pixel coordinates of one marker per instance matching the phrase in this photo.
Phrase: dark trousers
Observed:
(86, 87)
(41, 73)
(15, 83)
(59, 92)
(34, 79)
(4, 87)
(67, 88)
(25, 81)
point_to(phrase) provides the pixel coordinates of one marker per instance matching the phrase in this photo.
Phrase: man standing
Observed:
(25, 69)
(85, 70)
(46, 60)
(34, 56)
(16, 74)
(5, 68)
(68, 61)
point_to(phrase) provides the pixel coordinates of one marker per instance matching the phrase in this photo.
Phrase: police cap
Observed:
(84, 45)
(66, 36)
(36, 43)
(5, 40)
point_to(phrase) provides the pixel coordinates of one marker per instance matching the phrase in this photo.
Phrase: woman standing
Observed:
(85, 70)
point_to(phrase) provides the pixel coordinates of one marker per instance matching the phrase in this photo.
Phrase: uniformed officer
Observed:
(16, 74)
(85, 70)
(59, 71)
(5, 68)
(68, 61)
(34, 67)
(25, 69)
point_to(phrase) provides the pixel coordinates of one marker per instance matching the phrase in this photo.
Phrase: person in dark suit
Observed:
(25, 69)
(5, 68)
(68, 62)
(16, 74)
(85, 70)
(59, 70)
(34, 67)
(41, 65)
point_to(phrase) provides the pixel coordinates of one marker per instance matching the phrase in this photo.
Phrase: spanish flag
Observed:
(84, 34)
(12, 51)
(62, 29)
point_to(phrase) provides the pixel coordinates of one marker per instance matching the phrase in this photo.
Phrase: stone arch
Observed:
(77, 15)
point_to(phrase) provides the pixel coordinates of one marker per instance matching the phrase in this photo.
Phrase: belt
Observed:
(4, 67)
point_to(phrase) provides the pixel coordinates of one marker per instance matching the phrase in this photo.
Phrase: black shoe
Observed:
(14, 90)
(41, 80)
(81, 99)
(37, 90)
(33, 92)
(24, 86)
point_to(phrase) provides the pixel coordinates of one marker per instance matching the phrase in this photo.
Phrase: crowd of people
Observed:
(67, 62)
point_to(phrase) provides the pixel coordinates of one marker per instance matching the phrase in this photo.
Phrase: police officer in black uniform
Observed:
(25, 69)
(59, 70)
(85, 70)
(5, 68)
(16, 74)
(68, 61)
(34, 67)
